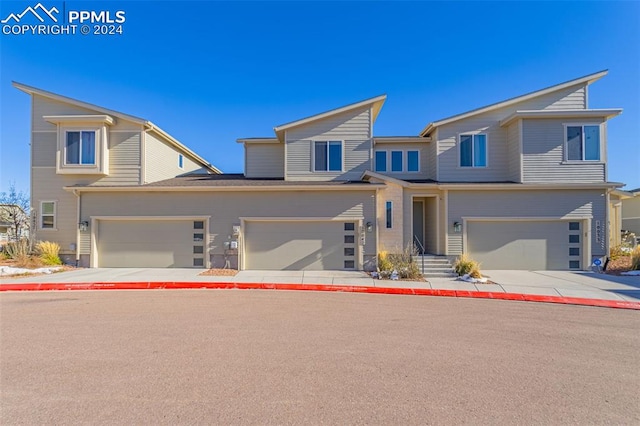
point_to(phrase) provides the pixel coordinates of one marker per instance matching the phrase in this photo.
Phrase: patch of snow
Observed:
(470, 279)
(10, 270)
(630, 273)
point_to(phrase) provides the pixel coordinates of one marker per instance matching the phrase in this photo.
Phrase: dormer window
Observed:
(80, 147)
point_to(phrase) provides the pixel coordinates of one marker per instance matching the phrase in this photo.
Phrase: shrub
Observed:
(635, 259)
(617, 252)
(383, 261)
(465, 265)
(401, 262)
(49, 252)
(17, 250)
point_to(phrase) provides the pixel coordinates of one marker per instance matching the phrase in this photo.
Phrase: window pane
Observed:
(465, 150)
(320, 156)
(198, 262)
(396, 161)
(47, 222)
(381, 161)
(574, 264)
(335, 156)
(47, 208)
(349, 264)
(349, 251)
(574, 251)
(412, 161)
(574, 143)
(389, 214)
(591, 142)
(480, 150)
(198, 224)
(574, 226)
(574, 238)
(88, 147)
(198, 249)
(198, 237)
(349, 226)
(73, 148)
(180, 161)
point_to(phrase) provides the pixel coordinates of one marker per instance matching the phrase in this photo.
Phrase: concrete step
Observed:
(439, 275)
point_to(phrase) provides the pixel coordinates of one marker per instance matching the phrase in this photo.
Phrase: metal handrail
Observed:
(416, 240)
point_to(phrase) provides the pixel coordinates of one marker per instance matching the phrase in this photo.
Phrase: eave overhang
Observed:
(248, 188)
(92, 118)
(572, 114)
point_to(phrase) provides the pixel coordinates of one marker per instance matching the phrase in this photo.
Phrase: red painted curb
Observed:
(319, 287)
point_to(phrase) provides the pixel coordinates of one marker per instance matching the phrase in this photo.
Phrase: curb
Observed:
(139, 285)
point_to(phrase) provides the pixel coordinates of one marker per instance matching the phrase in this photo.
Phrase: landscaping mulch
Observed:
(219, 272)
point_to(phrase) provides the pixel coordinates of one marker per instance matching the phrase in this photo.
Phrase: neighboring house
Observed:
(630, 211)
(520, 184)
(8, 223)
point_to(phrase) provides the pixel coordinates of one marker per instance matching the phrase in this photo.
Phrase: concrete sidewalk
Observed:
(584, 285)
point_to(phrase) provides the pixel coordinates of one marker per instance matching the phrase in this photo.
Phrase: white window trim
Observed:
(486, 135)
(405, 160)
(180, 161)
(313, 156)
(388, 212)
(96, 146)
(565, 154)
(55, 218)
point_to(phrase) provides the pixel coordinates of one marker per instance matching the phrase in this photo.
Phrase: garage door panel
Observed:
(294, 246)
(146, 244)
(528, 245)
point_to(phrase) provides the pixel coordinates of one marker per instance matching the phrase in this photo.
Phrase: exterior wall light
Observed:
(369, 226)
(83, 226)
(457, 227)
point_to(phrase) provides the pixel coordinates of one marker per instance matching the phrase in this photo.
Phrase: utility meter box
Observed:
(234, 245)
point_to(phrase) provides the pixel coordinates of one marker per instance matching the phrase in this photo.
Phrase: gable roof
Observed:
(30, 90)
(587, 79)
(375, 102)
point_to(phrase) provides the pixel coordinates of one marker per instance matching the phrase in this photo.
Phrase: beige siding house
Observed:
(520, 184)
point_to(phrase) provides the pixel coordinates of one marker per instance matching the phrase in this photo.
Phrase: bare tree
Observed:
(14, 210)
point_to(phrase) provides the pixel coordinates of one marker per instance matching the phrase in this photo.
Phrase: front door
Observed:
(418, 225)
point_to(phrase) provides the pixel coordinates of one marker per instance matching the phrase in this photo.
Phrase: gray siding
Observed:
(352, 127)
(543, 154)
(264, 160)
(44, 147)
(514, 157)
(226, 208)
(432, 157)
(422, 148)
(488, 123)
(527, 203)
(124, 159)
(161, 160)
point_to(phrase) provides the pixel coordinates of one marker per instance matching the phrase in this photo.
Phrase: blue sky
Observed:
(211, 72)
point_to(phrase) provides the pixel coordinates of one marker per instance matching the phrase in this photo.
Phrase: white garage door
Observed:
(150, 243)
(527, 245)
(300, 245)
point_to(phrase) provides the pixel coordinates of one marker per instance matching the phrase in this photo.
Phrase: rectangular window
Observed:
(574, 251)
(396, 161)
(198, 237)
(48, 215)
(349, 239)
(574, 226)
(198, 249)
(328, 156)
(389, 214)
(381, 161)
(80, 147)
(583, 143)
(198, 224)
(198, 262)
(574, 238)
(574, 264)
(349, 226)
(180, 161)
(413, 162)
(349, 264)
(473, 150)
(349, 251)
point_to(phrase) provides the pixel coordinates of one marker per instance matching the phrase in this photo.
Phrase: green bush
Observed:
(465, 265)
(49, 253)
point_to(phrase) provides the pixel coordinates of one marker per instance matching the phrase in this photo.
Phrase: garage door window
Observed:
(574, 226)
(198, 224)
(198, 249)
(349, 264)
(574, 264)
(198, 237)
(574, 238)
(574, 251)
(349, 239)
(198, 262)
(349, 226)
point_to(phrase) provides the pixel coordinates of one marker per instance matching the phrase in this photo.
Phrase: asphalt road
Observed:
(268, 357)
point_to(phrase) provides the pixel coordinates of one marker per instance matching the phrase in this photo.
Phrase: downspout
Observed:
(77, 194)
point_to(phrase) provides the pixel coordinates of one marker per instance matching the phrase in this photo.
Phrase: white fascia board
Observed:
(559, 113)
(57, 119)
